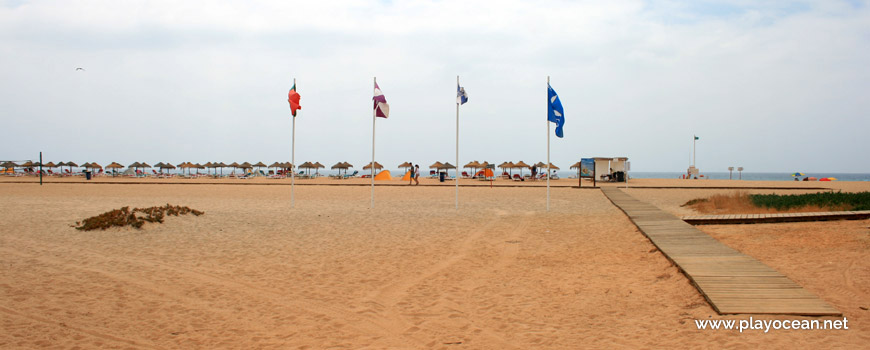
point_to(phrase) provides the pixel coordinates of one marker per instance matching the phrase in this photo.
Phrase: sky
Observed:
(772, 86)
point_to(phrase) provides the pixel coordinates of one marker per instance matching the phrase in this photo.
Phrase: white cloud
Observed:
(766, 86)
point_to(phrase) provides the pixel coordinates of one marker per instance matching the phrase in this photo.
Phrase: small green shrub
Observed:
(847, 200)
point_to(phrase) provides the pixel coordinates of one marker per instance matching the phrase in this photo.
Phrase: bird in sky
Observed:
(80, 69)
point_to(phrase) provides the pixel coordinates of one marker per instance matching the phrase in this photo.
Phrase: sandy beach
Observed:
(413, 273)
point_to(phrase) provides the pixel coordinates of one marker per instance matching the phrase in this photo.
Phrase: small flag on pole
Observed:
(461, 96)
(697, 138)
(556, 114)
(382, 109)
(293, 97)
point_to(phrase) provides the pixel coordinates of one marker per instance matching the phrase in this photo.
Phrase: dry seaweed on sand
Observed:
(135, 217)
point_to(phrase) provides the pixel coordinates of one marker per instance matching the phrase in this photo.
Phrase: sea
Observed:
(749, 176)
(752, 176)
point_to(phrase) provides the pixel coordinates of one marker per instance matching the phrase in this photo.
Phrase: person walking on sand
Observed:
(416, 174)
(413, 172)
(534, 171)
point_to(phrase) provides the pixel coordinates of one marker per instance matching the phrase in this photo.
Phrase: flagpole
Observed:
(293, 159)
(374, 113)
(456, 179)
(548, 144)
(693, 150)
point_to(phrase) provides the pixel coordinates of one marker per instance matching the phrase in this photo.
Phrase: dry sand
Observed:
(413, 273)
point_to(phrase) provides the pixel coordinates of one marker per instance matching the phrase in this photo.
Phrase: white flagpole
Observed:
(374, 113)
(456, 179)
(293, 158)
(548, 143)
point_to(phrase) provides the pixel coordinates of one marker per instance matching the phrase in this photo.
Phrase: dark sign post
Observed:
(40, 168)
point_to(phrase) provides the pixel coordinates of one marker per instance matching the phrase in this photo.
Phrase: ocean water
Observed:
(752, 176)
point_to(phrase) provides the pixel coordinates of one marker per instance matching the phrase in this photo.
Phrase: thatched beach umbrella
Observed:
(576, 166)
(472, 165)
(221, 166)
(317, 167)
(340, 166)
(308, 166)
(208, 165)
(259, 165)
(114, 166)
(506, 165)
(71, 164)
(436, 165)
(166, 166)
(378, 166)
(405, 165)
(521, 165)
(234, 165)
(9, 165)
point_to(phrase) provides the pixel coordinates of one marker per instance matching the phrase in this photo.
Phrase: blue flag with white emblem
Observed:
(555, 113)
(461, 96)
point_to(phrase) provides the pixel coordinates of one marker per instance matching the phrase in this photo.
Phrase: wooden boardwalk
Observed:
(733, 283)
(768, 218)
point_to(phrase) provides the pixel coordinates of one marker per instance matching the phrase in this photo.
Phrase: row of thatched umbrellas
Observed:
(279, 165)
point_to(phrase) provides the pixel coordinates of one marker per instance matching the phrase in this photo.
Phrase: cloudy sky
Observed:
(772, 86)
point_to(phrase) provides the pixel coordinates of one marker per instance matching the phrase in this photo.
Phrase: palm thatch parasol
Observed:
(378, 166)
(506, 165)
(436, 165)
(9, 165)
(259, 165)
(114, 166)
(317, 167)
(521, 165)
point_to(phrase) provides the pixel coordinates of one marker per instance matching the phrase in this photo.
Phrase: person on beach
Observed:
(534, 171)
(413, 172)
(416, 174)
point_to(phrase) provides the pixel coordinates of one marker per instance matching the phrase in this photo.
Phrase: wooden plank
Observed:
(731, 281)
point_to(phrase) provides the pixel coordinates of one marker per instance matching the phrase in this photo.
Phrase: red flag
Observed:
(293, 97)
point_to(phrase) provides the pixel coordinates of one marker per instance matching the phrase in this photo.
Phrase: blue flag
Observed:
(555, 113)
(461, 96)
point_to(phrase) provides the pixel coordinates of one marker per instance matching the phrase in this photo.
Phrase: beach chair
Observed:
(517, 177)
(465, 175)
(433, 174)
(355, 172)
